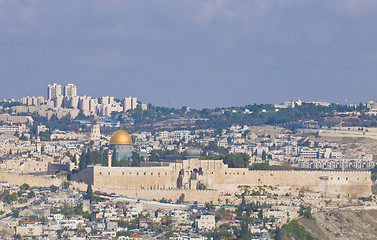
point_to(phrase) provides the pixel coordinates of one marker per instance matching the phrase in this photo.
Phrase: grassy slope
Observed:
(343, 225)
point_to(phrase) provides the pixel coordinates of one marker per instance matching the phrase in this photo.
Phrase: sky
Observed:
(195, 53)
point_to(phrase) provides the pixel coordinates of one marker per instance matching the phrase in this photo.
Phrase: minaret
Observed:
(109, 156)
(38, 146)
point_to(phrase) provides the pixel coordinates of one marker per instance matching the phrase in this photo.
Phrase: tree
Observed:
(210, 206)
(31, 194)
(53, 188)
(89, 193)
(308, 212)
(278, 234)
(305, 212)
(114, 161)
(136, 159)
(24, 187)
(261, 166)
(181, 199)
(67, 210)
(15, 213)
(264, 155)
(66, 184)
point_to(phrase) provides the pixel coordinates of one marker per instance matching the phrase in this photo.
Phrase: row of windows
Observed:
(238, 173)
(137, 173)
(347, 178)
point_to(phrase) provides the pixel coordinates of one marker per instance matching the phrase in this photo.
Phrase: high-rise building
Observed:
(134, 103)
(129, 103)
(58, 101)
(84, 104)
(53, 91)
(70, 90)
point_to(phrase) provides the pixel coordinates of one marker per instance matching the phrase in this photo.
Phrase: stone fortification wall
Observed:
(33, 181)
(194, 174)
(135, 177)
(331, 183)
(200, 196)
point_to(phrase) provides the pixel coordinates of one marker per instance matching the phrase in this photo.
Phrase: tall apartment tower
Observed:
(129, 103)
(54, 91)
(70, 90)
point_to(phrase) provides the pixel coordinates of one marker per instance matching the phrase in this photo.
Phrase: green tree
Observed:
(15, 213)
(295, 230)
(53, 188)
(114, 161)
(136, 159)
(66, 184)
(89, 193)
(24, 187)
(30, 194)
(261, 166)
(278, 234)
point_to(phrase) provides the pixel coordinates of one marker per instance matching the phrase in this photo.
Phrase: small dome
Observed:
(121, 137)
(192, 152)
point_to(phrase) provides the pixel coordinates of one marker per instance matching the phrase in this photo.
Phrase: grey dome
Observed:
(192, 152)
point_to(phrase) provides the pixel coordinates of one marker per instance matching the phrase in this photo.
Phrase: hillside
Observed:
(344, 224)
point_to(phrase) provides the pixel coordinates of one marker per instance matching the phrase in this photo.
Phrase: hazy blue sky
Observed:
(194, 53)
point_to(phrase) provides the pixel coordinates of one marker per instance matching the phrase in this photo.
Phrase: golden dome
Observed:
(121, 137)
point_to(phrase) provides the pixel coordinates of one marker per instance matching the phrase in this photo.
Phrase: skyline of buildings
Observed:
(68, 102)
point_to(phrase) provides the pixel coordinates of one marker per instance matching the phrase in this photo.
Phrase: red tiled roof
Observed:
(28, 222)
(135, 236)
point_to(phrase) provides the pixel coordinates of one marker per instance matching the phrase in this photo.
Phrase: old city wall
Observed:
(331, 183)
(212, 170)
(200, 196)
(161, 177)
(217, 176)
(33, 181)
(135, 177)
